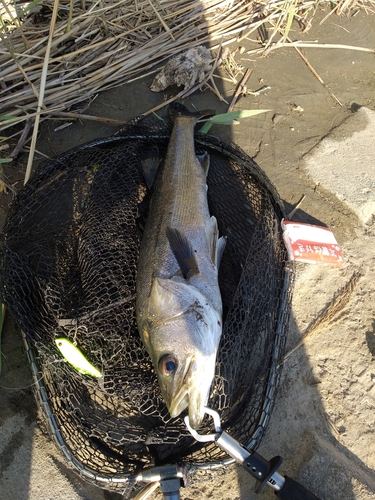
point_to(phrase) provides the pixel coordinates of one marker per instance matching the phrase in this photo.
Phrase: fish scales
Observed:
(180, 201)
(178, 298)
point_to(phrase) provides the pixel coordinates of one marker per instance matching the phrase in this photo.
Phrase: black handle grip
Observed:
(292, 490)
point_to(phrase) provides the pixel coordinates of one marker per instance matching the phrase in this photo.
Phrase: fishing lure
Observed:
(74, 357)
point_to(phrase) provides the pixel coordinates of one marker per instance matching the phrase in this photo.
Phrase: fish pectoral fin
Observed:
(183, 252)
(149, 168)
(204, 160)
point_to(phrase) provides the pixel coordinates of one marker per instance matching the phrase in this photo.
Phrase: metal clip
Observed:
(204, 438)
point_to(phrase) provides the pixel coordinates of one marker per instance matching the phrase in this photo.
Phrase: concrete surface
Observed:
(344, 163)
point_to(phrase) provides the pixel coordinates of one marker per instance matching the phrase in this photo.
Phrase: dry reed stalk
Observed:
(315, 73)
(67, 115)
(241, 89)
(21, 140)
(101, 44)
(311, 45)
(213, 87)
(310, 67)
(43, 79)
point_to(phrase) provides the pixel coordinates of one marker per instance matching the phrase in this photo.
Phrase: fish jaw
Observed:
(194, 391)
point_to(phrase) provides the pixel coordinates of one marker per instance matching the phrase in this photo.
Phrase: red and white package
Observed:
(311, 244)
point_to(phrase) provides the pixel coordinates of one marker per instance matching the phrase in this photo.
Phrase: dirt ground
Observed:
(323, 421)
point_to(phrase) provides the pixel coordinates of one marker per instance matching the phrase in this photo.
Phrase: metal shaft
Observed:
(262, 470)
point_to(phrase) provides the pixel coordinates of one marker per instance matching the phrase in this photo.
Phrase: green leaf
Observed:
(6, 160)
(7, 117)
(160, 118)
(291, 15)
(235, 115)
(230, 118)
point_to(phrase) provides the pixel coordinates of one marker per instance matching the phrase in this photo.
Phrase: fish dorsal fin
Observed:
(204, 160)
(183, 252)
(216, 245)
(149, 168)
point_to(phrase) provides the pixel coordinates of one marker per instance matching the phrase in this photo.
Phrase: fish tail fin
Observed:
(176, 109)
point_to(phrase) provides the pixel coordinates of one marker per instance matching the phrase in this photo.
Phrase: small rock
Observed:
(185, 69)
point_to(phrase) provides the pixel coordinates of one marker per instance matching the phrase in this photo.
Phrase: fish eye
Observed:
(168, 364)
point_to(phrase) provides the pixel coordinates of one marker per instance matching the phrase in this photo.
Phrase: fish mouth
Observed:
(192, 392)
(178, 405)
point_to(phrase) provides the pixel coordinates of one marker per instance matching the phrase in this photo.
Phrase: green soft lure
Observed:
(74, 357)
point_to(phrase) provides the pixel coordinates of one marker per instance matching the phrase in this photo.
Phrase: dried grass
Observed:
(99, 44)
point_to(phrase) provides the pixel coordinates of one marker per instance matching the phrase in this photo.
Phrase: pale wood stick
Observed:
(81, 116)
(43, 79)
(69, 22)
(296, 207)
(214, 88)
(305, 60)
(311, 45)
(164, 103)
(316, 75)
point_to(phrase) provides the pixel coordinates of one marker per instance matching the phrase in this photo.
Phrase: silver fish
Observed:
(179, 308)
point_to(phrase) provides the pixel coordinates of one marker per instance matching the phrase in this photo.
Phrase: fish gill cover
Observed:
(69, 261)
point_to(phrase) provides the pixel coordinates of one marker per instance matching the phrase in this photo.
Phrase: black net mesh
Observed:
(69, 263)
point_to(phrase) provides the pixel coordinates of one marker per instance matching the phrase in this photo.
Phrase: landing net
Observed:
(69, 262)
